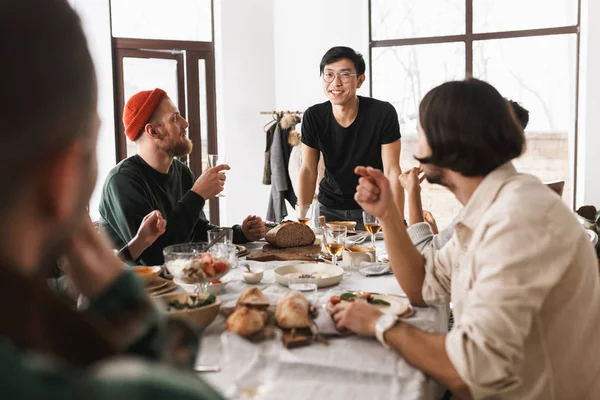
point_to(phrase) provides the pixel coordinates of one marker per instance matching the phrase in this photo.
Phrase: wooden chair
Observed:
(556, 186)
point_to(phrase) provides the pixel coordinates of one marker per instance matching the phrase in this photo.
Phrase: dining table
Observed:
(347, 367)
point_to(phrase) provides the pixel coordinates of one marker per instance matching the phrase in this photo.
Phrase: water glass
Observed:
(227, 239)
(306, 284)
(252, 365)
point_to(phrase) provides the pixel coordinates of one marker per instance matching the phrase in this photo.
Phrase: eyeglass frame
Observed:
(344, 76)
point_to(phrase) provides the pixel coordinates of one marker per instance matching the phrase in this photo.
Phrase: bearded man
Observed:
(154, 179)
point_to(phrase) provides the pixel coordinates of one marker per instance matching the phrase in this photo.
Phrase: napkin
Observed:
(325, 324)
(374, 269)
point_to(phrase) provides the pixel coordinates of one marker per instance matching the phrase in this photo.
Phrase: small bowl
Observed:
(252, 277)
(201, 317)
(350, 225)
(147, 274)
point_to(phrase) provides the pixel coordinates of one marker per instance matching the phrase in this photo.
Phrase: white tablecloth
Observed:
(348, 368)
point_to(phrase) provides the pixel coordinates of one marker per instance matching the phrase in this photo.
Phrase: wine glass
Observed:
(335, 240)
(191, 263)
(304, 213)
(213, 161)
(371, 225)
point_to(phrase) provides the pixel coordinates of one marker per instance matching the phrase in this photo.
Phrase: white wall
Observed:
(588, 184)
(306, 29)
(95, 19)
(245, 86)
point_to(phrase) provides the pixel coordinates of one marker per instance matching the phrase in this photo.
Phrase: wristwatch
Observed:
(383, 324)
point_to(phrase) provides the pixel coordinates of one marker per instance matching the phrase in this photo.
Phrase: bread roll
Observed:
(246, 321)
(290, 234)
(252, 297)
(292, 311)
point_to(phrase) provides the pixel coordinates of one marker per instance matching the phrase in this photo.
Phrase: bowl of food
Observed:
(147, 274)
(192, 263)
(198, 309)
(350, 225)
(326, 274)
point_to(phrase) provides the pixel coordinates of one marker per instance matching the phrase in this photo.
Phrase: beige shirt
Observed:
(523, 278)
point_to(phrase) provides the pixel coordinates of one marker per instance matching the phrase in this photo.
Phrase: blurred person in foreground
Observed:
(520, 269)
(121, 346)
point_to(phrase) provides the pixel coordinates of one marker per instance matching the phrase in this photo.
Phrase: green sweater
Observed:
(133, 189)
(48, 351)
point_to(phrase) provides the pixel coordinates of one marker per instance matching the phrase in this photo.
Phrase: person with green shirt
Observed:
(154, 179)
(122, 347)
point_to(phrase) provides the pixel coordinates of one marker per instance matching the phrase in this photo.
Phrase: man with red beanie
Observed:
(154, 179)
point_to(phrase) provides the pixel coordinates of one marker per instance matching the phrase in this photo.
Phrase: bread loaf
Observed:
(292, 310)
(290, 234)
(246, 321)
(252, 297)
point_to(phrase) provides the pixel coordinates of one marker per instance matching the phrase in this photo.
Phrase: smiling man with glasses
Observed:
(349, 130)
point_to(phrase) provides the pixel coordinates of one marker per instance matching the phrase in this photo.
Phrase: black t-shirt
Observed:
(345, 148)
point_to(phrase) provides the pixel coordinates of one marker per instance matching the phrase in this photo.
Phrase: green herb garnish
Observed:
(348, 296)
(378, 301)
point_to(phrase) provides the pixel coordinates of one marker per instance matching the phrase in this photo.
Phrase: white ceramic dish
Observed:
(252, 277)
(333, 274)
(216, 288)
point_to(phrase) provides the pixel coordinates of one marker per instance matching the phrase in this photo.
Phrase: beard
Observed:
(434, 175)
(174, 148)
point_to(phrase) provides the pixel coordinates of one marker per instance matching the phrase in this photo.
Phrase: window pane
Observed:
(400, 19)
(146, 74)
(539, 73)
(508, 15)
(203, 108)
(159, 19)
(402, 76)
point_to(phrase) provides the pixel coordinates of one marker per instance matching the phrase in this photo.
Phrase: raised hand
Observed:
(211, 182)
(357, 316)
(373, 192)
(428, 217)
(410, 180)
(253, 228)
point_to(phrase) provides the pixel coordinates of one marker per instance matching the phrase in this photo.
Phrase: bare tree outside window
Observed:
(530, 57)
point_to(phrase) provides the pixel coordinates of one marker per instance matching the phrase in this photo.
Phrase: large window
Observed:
(527, 49)
(168, 45)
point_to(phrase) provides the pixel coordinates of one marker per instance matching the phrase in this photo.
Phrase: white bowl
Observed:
(333, 274)
(252, 277)
(216, 288)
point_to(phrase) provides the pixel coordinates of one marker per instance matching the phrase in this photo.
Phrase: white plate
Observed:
(335, 274)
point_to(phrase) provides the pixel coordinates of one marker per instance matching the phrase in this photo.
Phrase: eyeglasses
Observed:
(344, 76)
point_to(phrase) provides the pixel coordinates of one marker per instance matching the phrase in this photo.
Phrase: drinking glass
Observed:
(335, 240)
(306, 284)
(213, 161)
(192, 263)
(252, 365)
(304, 213)
(371, 225)
(227, 239)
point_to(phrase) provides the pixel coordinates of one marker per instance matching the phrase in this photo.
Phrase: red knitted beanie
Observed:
(139, 109)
